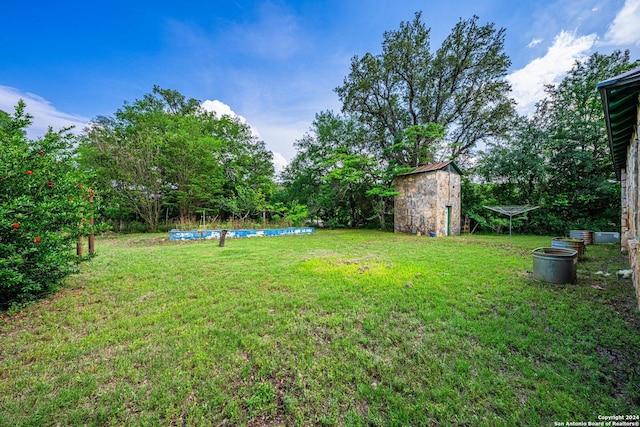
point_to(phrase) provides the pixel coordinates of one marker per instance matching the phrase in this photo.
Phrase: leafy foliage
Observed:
(164, 152)
(460, 87)
(43, 209)
(559, 158)
(402, 108)
(336, 177)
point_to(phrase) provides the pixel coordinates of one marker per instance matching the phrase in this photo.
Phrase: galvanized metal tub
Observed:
(555, 265)
(586, 235)
(607, 237)
(569, 243)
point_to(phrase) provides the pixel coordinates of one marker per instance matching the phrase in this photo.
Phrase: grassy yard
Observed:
(336, 328)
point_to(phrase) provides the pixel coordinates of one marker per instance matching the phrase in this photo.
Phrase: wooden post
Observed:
(79, 246)
(467, 225)
(92, 245)
(222, 237)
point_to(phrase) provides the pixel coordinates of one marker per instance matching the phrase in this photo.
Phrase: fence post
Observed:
(92, 242)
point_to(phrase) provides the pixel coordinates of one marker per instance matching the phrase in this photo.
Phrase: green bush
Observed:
(44, 208)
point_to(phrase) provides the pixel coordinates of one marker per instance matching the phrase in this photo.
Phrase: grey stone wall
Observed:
(630, 201)
(426, 201)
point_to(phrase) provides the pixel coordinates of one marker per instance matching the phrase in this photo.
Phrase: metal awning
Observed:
(619, 96)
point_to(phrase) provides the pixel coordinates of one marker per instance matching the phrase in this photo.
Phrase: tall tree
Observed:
(126, 154)
(579, 164)
(461, 87)
(517, 163)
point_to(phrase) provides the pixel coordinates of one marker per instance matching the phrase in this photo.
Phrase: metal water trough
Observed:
(606, 237)
(569, 243)
(231, 234)
(555, 265)
(586, 235)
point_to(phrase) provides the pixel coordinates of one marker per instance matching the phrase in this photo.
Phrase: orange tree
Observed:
(44, 208)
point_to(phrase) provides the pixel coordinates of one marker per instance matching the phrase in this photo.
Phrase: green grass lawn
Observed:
(335, 328)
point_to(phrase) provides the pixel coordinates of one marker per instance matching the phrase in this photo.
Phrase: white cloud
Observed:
(624, 28)
(44, 114)
(528, 82)
(221, 109)
(534, 43)
(279, 162)
(281, 130)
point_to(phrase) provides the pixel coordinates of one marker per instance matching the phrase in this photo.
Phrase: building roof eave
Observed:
(619, 97)
(433, 167)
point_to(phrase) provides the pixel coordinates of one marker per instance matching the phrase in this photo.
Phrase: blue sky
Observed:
(275, 63)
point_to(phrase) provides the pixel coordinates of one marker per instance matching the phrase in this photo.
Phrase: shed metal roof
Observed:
(433, 167)
(619, 96)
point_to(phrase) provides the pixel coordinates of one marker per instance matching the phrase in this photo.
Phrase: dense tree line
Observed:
(164, 157)
(404, 107)
(337, 177)
(558, 159)
(409, 106)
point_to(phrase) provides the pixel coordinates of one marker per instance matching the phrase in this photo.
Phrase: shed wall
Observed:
(426, 201)
(630, 201)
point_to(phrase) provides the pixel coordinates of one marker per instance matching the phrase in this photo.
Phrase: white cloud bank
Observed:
(624, 28)
(567, 48)
(44, 114)
(528, 82)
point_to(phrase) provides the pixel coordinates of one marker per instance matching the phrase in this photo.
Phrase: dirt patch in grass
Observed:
(620, 370)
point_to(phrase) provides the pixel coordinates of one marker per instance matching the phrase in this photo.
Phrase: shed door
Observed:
(448, 221)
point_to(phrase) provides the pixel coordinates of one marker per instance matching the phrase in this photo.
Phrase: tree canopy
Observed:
(165, 153)
(163, 156)
(401, 108)
(559, 158)
(410, 105)
(460, 87)
(336, 176)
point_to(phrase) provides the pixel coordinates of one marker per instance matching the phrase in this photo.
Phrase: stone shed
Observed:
(429, 200)
(621, 103)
